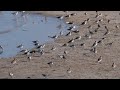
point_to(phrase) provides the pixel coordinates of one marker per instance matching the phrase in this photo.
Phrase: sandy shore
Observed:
(80, 62)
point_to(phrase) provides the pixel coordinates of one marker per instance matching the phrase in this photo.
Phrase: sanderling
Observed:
(66, 44)
(94, 50)
(113, 65)
(60, 17)
(54, 37)
(65, 52)
(72, 45)
(61, 33)
(78, 38)
(99, 59)
(107, 32)
(15, 13)
(100, 41)
(71, 41)
(62, 56)
(11, 74)
(41, 46)
(68, 34)
(73, 14)
(69, 70)
(14, 61)
(50, 63)
(84, 23)
(94, 44)
(71, 28)
(68, 16)
(117, 26)
(82, 44)
(69, 22)
(36, 41)
(29, 58)
(20, 46)
(76, 31)
(53, 48)
(1, 49)
(24, 51)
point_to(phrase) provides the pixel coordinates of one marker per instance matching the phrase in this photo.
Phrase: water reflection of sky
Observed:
(23, 29)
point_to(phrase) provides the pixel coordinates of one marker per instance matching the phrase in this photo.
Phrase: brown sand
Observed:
(79, 62)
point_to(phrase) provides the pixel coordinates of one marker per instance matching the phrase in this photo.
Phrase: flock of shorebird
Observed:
(72, 29)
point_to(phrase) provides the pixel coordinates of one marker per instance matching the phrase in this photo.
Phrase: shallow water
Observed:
(24, 28)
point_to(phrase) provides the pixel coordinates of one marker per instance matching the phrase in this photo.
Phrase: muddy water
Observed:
(23, 28)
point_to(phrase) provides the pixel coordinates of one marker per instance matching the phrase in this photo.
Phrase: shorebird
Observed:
(68, 34)
(24, 51)
(54, 37)
(94, 44)
(20, 46)
(68, 16)
(61, 33)
(100, 41)
(32, 51)
(88, 36)
(84, 23)
(117, 26)
(71, 41)
(62, 56)
(72, 45)
(66, 44)
(53, 48)
(36, 41)
(71, 28)
(69, 70)
(73, 14)
(1, 49)
(41, 52)
(29, 58)
(60, 17)
(82, 44)
(11, 74)
(93, 50)
(28, 53)
(41, 46)
(50, 63)
(65, 52)
(14, 61)
(107, 32)
(90, 32)
(113, 65)
(76, 31)
(69, 22)
(78, 38)
(15, 13)
(99, 59)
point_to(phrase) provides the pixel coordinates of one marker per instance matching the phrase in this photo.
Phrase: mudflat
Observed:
(90, 52)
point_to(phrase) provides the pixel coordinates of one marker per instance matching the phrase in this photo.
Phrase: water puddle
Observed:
(23, 28)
